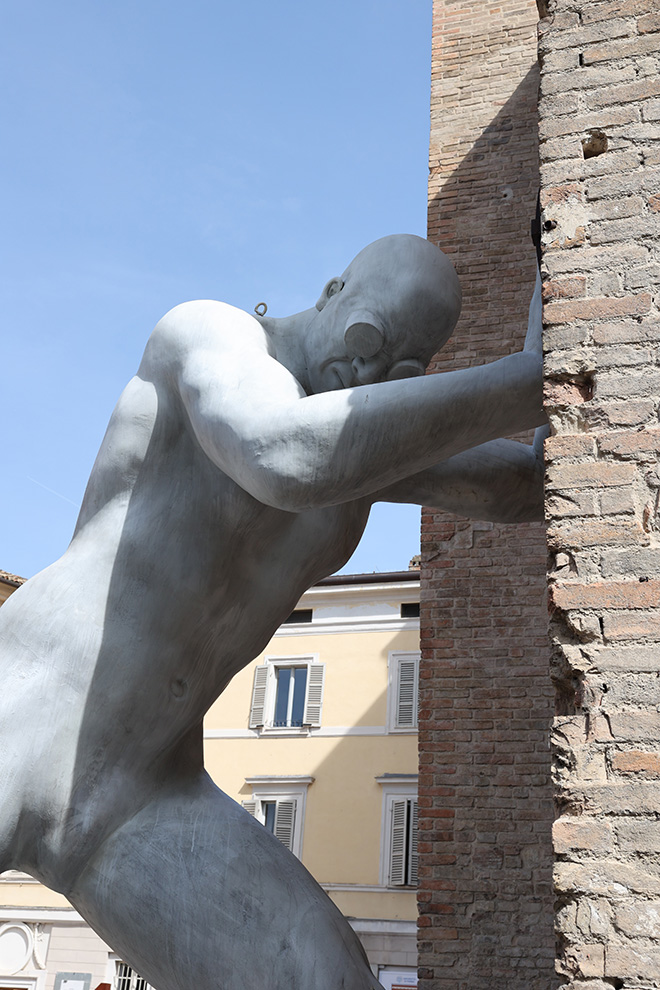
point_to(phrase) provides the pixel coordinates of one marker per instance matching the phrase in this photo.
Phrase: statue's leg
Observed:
(197, 895)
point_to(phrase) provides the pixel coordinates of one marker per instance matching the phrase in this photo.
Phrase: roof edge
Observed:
(384, 577)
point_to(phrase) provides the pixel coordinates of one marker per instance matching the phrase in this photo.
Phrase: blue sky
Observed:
(156, 152)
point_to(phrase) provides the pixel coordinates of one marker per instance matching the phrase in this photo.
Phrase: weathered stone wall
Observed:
(486, 700)
(600, 166)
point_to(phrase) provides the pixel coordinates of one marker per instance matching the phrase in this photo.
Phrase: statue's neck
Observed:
(286, 335)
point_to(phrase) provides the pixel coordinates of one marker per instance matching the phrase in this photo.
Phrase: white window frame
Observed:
(264, 693)
(397, 976)
(294, 788)
(395, 701)
(111, 973)
(403, 788)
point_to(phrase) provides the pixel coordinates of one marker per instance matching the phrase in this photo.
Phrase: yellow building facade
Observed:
(317, 738)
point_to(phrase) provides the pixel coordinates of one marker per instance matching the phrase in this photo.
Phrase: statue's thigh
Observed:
(197, 895)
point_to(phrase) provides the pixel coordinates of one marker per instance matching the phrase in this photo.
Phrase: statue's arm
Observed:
(296, 452)
(500, 481)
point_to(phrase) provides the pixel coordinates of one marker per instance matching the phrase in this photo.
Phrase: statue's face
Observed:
(401, 290)
(334, 368)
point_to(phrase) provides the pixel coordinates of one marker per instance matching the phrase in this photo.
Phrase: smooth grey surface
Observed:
(238, 468)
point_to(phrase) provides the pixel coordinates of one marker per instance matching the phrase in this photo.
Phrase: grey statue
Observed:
(238, 468)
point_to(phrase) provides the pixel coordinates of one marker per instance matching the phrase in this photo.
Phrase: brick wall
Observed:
(486, 697)
(600, 130)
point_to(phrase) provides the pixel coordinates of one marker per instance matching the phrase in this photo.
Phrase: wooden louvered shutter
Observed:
(406, 701)
(250, 807)
(398, 843)
(314, 695)
(413, 857)
(258, 706)
(285, 820)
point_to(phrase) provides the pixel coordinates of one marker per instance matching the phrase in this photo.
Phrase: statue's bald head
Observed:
(404, 294)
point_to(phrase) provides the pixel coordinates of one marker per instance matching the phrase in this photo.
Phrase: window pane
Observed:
(124, 973)
(300, 682)
(299, 615)
(282, 696)
(268, 808)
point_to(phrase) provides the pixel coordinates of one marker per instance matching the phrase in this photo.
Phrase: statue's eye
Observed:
(408, 368)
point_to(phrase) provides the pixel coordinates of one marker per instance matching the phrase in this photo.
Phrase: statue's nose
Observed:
(369, 370)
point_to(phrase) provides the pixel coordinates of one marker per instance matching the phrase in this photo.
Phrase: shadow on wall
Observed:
(480, 216)
(486, 695)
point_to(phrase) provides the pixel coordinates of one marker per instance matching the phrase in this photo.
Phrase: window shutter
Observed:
(285, 819)
(250, 807)
(414, 859)
(398, 843)
(406, 702)
(258, 706)
(314, 698)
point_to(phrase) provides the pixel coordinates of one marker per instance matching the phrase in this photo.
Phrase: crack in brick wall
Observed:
(600, 167)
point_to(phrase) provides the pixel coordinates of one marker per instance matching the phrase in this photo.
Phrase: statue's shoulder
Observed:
(203, 325)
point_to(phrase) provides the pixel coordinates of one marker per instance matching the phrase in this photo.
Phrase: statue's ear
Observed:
(330, 289)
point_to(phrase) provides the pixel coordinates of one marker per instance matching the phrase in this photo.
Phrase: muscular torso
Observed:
(175, 579)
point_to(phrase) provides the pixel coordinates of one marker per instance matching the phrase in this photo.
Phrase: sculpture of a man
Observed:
(238, 468)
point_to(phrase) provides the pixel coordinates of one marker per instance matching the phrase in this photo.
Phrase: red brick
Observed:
(597, 309)
(633, 726)
(620, 49)
(592, 533)
(630, 443)
(592, 474)
(554, 195)
(632, 92)
(585, 960)
(629, 413)
(614, 209)
(626, 331)
(565, 288)
(631, 626)
(637, 761)
(564, 393)
(628, 961)
(579, 123)
(590, 259)
(606, 594)
(594, 11)
(651, 22)
(614, 501)
(569, 445)
(570, 833)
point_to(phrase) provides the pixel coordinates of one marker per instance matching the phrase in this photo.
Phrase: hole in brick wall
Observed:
(566, 681)
(549, 225)
(581, 59)
(585, 385)
(594, 143)
(617, 983)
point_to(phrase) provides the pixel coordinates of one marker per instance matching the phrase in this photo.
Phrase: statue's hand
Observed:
(534, 338)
